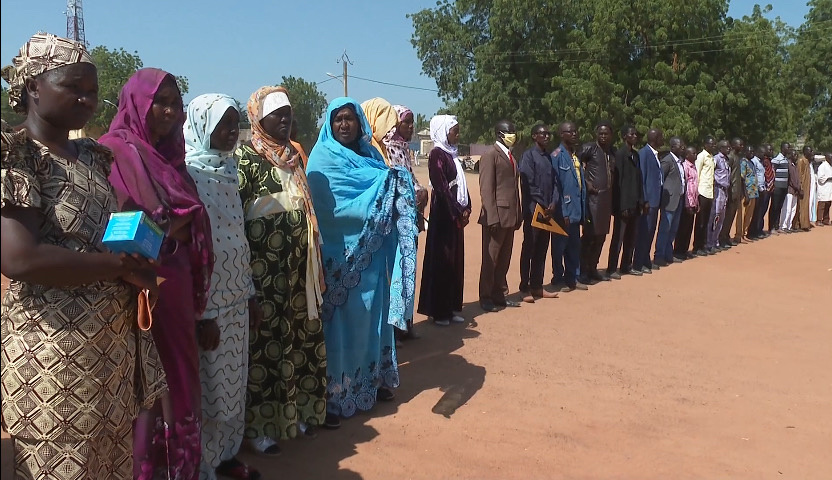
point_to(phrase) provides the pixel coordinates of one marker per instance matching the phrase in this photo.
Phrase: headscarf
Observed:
(170, 190)
(440, 125)
(398, 149)
(382, 118)
(369, 218)
(278, 155)
(204, 113)
(43, 52)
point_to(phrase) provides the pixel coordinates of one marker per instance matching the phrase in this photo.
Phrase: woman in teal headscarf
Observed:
(367, 218)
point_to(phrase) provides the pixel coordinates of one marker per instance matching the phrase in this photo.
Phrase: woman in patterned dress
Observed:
(71, 345)
(211, 133)
(367, 216)
(149, 174)
(287, 365)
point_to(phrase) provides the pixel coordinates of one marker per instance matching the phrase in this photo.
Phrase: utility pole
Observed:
(345, 60)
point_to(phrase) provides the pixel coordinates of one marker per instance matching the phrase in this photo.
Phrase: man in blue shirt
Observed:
(651, 172)
(572, 180)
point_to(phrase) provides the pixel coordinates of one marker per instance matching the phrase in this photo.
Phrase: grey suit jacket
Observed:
(672, 191)
(499, 188)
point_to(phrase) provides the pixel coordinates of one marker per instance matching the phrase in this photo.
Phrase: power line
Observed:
(394, 84)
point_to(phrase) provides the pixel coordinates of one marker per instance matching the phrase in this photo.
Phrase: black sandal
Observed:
(332, 422)
(237, 470)
(385, 395)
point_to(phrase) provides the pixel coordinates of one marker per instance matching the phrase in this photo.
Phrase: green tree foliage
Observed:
(685, 67)
(6, 113)
(308, 106)
(420, 123)
(811, 56)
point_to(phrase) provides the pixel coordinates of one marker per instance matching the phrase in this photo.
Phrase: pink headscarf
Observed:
(170, 191)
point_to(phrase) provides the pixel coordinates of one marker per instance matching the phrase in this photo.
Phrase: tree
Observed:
(812, 74)
(308, 106)
(420, 123)
(651, 63)
(6, 113)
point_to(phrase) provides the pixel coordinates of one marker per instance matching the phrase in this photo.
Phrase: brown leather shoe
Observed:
(544, 294)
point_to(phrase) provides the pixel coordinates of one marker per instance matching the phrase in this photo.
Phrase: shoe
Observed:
(442, 322)
(307, 431)
(581, 286)
(680, 258)
(265, 446)
(508, 303)
(689, 256)
(457, 319)
(614, 275)
(487, 306)
(385, 395)
(541, 293)
(647, 270)
(636, 273)
(599, 276)
(700, 253)
(659, 264)
(237, 470)
(587, 280)
(711, 251)
(332, 422)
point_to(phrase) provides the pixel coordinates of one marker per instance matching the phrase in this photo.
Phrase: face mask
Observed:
(509, 139)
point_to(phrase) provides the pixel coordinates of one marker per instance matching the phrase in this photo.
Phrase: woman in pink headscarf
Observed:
(149, 174)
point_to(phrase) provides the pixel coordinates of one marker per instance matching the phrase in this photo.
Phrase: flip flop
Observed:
(237, 470)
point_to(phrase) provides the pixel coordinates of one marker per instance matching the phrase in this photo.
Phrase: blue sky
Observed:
(237, 46)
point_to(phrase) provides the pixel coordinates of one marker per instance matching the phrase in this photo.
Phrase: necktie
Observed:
(511, 157)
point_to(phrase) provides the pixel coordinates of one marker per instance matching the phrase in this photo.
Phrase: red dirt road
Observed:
(717, 368)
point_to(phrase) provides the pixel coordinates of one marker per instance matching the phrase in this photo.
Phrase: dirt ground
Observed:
(716, 368)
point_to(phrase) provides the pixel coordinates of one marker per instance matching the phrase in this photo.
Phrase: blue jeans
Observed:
(644, 239)
(568, 250)
(668, 226)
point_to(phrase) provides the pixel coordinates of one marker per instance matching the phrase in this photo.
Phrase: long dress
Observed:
(288, 355)
(367, 216)
(801, 218)
(223, 371)
(70, 355)
(443, 271)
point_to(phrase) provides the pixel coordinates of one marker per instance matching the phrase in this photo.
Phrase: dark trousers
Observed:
(623, 235)
(644, 238)
(757, 223)
(496, 257)
(682, 243)
(569, 249)
(591, 246)
(668, 226)
(700, 231)
(778, 198)
(823, 212)
(533, 256)
(731, 210)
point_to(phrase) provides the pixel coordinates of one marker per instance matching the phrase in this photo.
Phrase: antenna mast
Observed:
(75, 21)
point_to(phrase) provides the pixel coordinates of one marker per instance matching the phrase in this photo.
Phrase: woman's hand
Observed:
(255, 314)
(208, 334)
(421, 198)
(139, 271)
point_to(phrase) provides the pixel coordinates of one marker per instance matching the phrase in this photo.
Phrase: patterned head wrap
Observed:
(43, 52)
(402, 111)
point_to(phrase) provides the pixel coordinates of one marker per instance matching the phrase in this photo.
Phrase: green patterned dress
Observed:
(287, 365)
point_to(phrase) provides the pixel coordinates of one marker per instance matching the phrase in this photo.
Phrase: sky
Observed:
(237, 46)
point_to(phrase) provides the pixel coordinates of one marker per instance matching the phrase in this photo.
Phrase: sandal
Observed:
(265, 446)
(237, 470)
(332, 422)
(385, 395)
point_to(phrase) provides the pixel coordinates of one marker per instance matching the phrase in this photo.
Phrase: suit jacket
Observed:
(572, 192)
(627, 192)
(651, 176)
(538, 182)
(672, 187)
(499, 191)
(736, 191)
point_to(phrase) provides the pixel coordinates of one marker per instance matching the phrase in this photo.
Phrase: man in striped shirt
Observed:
(781, 183)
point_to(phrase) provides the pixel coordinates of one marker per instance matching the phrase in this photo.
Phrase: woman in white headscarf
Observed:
(450, 210)
(211, 134)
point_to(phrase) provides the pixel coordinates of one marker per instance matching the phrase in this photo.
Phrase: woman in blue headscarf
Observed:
(367, 218)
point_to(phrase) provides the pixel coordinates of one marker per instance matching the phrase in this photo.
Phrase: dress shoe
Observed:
(711, 251)
(679, 258)
(690, 256)
(442, 322)
(581, 286)
(633, 272)
(488, 306)
(544, 294)
(646, 270)
(614, 275)
(507, 303)
(457, 319)
(659, 264)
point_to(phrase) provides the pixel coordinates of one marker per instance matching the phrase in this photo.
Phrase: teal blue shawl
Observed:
(367, 218)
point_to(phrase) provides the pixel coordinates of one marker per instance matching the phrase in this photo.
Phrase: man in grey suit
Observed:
(672, 203)
(500, 216)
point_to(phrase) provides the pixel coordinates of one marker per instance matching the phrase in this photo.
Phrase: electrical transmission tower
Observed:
(75, 21)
